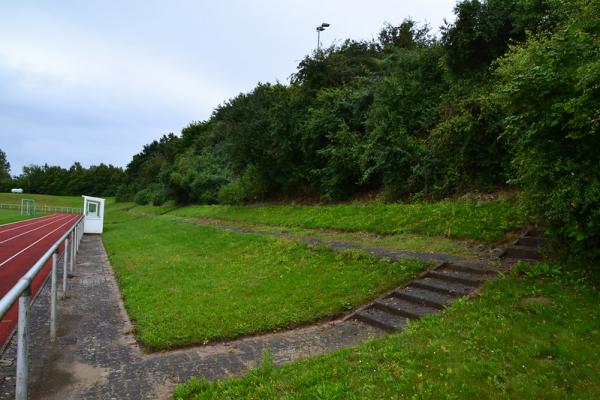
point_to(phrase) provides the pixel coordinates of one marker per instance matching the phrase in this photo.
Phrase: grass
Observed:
(8, 216)
(400, 241)
(42, 199)
(483, 221)
(527, 336)
(186, 284)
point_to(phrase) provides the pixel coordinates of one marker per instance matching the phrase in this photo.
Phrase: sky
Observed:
(94, 81)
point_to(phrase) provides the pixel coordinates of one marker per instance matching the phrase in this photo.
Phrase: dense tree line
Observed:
(507, 95)
(97, 180)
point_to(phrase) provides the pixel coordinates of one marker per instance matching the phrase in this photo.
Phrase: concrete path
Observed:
(96, 356)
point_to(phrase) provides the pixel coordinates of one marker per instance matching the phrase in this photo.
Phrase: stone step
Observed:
(531, 241)
(442, 286)
(522, 252)
(381, 319)
(404, 308)
(464, 278)
(423, 297)
(471, 269)
(537, 232)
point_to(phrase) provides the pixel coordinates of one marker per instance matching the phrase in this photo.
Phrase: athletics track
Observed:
(21, 245)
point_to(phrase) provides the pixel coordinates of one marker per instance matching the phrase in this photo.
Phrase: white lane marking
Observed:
(34, 243)
(33, 230)
(48, 217)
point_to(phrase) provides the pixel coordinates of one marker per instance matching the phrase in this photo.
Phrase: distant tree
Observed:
(4, 166)
(5, 179)
(407, 35)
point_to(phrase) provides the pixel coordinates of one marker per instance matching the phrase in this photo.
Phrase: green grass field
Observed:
(529, 336)
(484, 221)
(8, 216)
(184, 283)
(42, 199)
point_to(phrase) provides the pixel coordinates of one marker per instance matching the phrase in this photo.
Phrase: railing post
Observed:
(65, 267)
(74, 248)
(71, 254)
(53, 298)
(23, 346)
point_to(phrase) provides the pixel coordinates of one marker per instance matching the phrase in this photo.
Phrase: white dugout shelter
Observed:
(93, 211)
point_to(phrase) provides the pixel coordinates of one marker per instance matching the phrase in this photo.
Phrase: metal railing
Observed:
(21, 292)
(43, 209)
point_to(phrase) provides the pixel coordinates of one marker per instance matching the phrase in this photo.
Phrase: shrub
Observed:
(552, 97)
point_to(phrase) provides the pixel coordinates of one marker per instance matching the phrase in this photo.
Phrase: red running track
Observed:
(22, 244)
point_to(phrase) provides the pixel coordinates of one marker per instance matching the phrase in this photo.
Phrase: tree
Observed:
(5, 178)
(550, 93)
(484, 29)
(4, 166)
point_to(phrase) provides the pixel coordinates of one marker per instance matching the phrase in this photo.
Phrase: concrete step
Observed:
(423, 297)
(381, 319)
(404, 308)
(531, 241)
(442, 286)
(537, 232)
(464, 278)
(471, 269)
(522, 252)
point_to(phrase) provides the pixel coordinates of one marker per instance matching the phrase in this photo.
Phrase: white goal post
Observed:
(27, 207)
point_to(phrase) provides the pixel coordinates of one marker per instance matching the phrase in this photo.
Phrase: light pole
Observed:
(320, 29)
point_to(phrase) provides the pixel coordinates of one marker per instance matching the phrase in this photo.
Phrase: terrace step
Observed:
(423, 297)
(472, 270)
(439, 287)
(381, 319)
(464, 278)
(442, 286)
(537, 232)
(531, 241)
(522, 252)
(404, 308)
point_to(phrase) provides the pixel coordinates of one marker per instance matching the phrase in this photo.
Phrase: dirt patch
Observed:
(537, 300)
(62, 379)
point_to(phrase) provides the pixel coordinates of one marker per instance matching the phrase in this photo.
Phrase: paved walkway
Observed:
(96, 356)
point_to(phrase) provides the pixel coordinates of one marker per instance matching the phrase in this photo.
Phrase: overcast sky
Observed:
(93, 81)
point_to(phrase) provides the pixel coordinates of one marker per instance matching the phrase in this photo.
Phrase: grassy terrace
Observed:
(185, 284)
(528, 337)
(484, 221)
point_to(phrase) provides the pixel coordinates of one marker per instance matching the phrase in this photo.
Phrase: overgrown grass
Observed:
(397, 241)
(485, 221)
(185, 284)
(527, 337)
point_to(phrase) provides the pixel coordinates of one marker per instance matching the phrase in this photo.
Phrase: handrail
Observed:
(21, 291)
(43, 208)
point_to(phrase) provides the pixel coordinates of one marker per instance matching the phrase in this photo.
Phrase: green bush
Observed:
(143, 197)
(240, 190)
(155, 194)
(551, 95)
